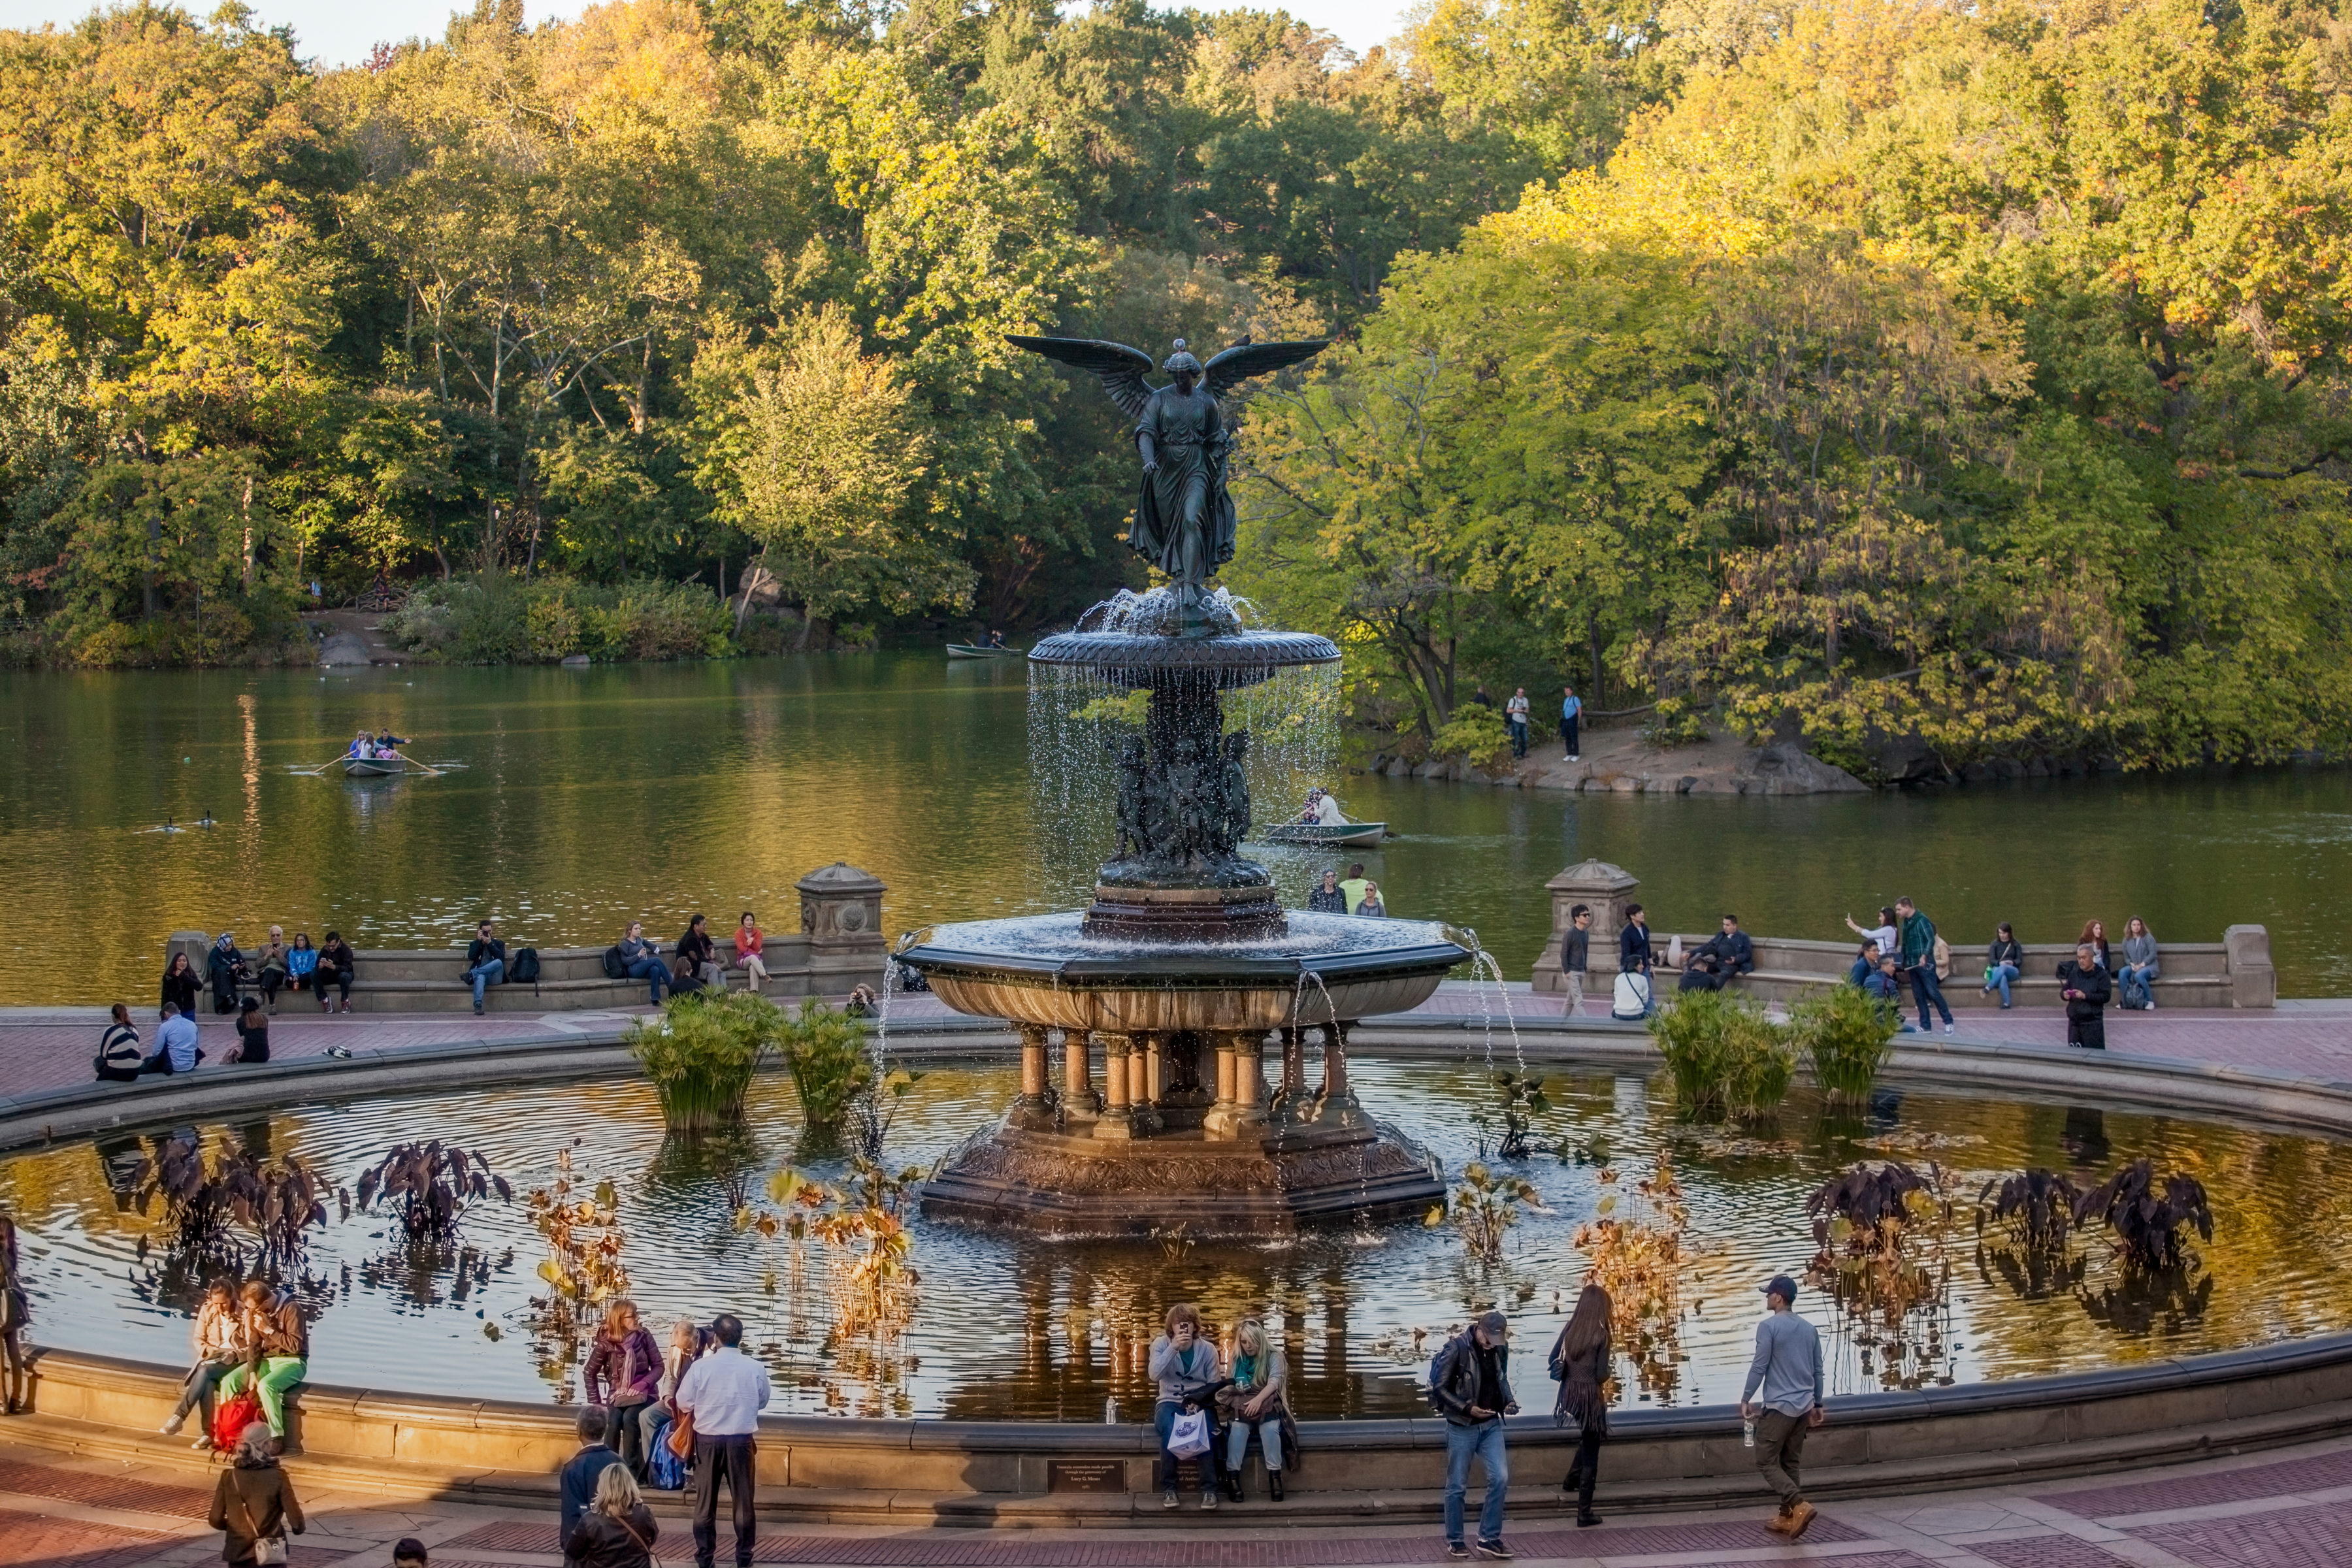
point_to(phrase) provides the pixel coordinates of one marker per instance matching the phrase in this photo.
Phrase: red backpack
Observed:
(236, 1414)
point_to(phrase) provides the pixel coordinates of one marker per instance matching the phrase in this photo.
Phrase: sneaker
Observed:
(1456, 1553)
(171, 1429)
(478, 1009)
(339, 1053)
(1949, 1030)
(1497, 1550)
(202, 1444)
(1169, 1499)
(1208, 1500)
(1800, 1518)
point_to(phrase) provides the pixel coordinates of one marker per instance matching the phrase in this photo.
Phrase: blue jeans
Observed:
(1998, 978)
(1237, 1436)
(494, 973)
(1924, 990)
(1485, 1442)
(653, 969)
(2139, 985)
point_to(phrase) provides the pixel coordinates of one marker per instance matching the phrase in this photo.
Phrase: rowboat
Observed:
(980, 650)
(1356, 832)
(375, 767)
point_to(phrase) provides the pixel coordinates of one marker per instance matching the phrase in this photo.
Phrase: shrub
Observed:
(1689, 1032)
(1477, 734)
(1757, 1060)
(825, 1051)
(702, 1052)
(502, 620)
(1849, 1035)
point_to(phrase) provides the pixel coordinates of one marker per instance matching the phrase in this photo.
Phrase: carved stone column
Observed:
(1155, 1078)
(1238, 1103)
(1036, 1106)
(1249, 1072)
(1335, 1104)
(1293, 1090)
(1079, 1101)
(1117, 1121)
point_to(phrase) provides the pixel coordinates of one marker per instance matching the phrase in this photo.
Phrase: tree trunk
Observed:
(1592, 641)
(247, 573)
(753, 572)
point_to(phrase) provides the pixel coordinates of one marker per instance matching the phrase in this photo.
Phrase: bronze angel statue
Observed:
(1183, 513)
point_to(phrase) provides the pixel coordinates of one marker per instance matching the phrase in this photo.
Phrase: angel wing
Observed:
(1121, 369)
(1246, 359)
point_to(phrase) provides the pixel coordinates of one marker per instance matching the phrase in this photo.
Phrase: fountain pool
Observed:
(1013, 1324)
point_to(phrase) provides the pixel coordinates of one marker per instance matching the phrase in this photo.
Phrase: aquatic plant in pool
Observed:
(702, 1051)
(1848, 1033)
(1484, 1208)
(582, 1269)
(1634, 1251)
(432, 1183)
(1883, 1234)
(2151, 1215)
(207, 1203)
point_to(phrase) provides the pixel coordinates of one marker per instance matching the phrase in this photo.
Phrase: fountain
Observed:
(1185, 963)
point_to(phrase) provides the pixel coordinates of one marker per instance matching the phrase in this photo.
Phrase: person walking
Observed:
(215, 1338)
(576, 1482)
(1184, 1361)
(486, 962)
(723, 1393)
(253, 1501)
(1918, 941)
(119, 1056)
(2084, 985)
(1576, 956)
(1515, 718)
(1325, 899)
(750, 948)
(1572, 710)
(1580, 1363)
(1470, 1385)
(627, 1359)
(1254, 1405)
(618, 1529)
(1783, 1398)
(1352, 890)
(1373, 905)
(2137, 976)
(1634, 954)
(277, 1345)
(2004, 962)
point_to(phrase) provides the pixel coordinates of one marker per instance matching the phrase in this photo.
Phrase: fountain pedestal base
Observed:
(1262, 1179)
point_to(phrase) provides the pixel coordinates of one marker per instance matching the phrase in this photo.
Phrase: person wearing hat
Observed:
(1470, 1385)
(1782, 1397)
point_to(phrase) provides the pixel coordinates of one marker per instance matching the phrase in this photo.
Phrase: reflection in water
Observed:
(1022, 1327)
(2085, 1138)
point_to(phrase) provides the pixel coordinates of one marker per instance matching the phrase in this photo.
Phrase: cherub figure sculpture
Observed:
(1183, 513)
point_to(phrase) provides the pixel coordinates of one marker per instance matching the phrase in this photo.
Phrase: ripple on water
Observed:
(1046, 1327)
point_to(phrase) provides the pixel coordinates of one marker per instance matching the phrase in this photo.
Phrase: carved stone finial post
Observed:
(1606, 889)
(841, 926)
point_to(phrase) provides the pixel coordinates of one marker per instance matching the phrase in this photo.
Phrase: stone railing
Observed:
(838, 948)
(2236, 971)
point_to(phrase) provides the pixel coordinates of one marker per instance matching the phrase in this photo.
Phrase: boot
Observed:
(1586, 1478)
(1274, 1485)
(1234, 1488)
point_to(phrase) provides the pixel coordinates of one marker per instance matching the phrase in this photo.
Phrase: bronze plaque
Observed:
(1085, 1475)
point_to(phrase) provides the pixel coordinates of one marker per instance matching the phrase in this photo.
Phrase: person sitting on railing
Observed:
(1184, 1360)
(486, 962)
(337, 965)
(175, 1044)
(750, 946)
(1885, 984)
(225, 967)
(642, 960)
(1866, 964)
(697, 955)
(1733, 952)
(119, 1054)
(301, 962)
(2137, 976)
(2004, 961)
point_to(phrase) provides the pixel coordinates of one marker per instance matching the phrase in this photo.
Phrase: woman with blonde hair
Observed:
(254, 1504)
(1254, 1404)
(618, 1529)
(623, 1375)
(1580, 1361)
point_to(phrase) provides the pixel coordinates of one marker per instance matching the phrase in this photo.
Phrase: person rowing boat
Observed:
(1323, 809)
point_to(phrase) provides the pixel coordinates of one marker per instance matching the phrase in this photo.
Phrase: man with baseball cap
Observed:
(1470, 1383)
(1787, 1369)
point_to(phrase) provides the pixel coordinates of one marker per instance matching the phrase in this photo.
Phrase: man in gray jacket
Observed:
(1788, 1371)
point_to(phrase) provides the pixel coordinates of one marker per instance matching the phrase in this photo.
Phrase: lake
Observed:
(591, 798)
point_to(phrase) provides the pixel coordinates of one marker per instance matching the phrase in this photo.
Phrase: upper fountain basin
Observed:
(1044, 969)
(1229, 660)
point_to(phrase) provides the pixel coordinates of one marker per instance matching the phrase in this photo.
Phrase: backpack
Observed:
(665, 1467)
(525, 967)
(1942, 954)
(1632, 999)
(616, 968)
(236, 1414)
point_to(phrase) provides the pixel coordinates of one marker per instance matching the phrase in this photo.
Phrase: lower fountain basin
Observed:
(1047, 970)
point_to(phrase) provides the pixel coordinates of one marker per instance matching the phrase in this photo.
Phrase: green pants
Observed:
(279, 1374)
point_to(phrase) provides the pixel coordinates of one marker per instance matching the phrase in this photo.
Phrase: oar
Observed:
(429, 772)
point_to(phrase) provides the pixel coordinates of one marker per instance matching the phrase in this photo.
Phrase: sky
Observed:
(339, 32)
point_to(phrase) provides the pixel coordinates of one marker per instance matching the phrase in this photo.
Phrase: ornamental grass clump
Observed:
(702, 1052)
(1689, 1032)
(1757, 1061)
(826, 1051)
(1849, 1035)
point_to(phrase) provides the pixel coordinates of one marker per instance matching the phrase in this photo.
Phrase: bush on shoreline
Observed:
(500, 620)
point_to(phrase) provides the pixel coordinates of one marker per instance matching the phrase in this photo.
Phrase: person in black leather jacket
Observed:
(1470, 1385)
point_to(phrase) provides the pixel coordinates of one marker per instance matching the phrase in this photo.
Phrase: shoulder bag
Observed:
(643, 1544)
(269, 1550)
